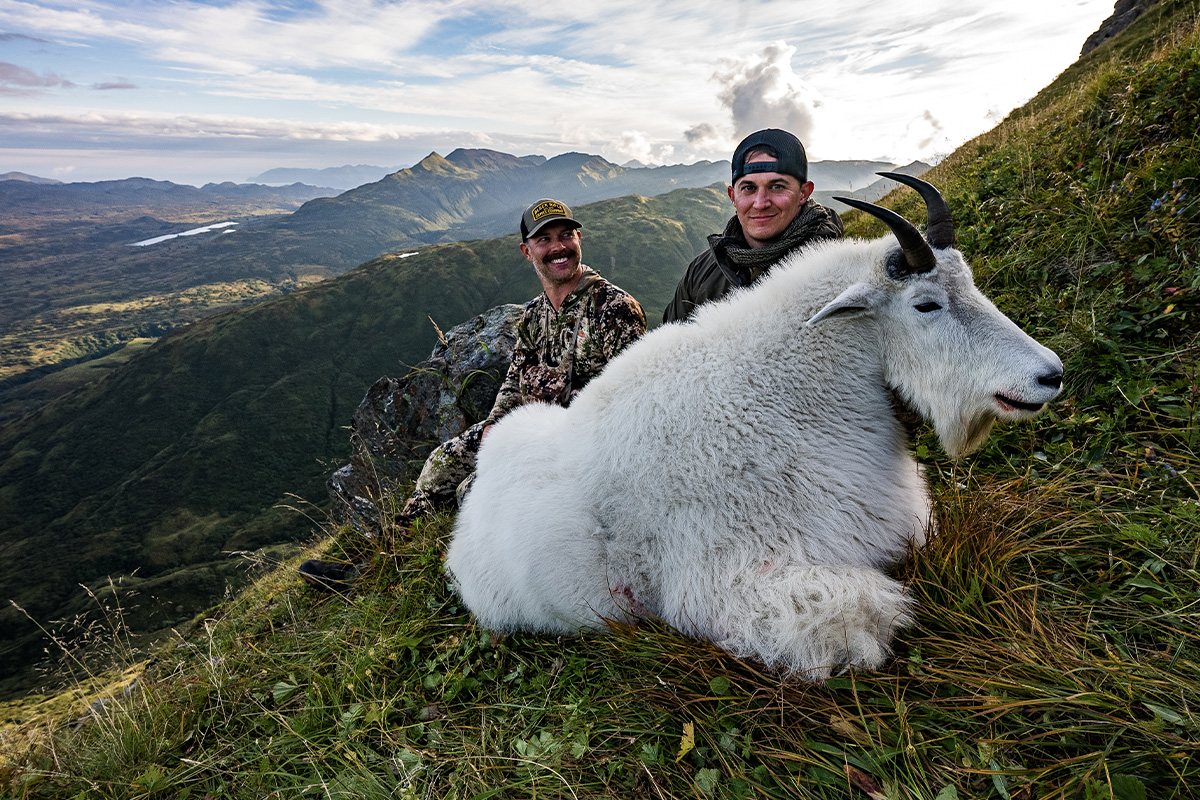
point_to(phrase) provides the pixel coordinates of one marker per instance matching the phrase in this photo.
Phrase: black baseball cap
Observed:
(789, 161)
(542, 213)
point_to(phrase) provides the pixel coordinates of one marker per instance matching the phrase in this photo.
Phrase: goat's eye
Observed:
(925, 308)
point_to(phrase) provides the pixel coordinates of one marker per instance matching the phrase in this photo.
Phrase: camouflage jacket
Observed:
(558, 352)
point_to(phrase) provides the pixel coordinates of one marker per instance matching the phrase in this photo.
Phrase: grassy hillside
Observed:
(1056, 652)
(169, 462)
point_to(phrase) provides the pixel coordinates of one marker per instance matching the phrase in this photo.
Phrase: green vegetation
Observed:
(166, 465)
(1055, 655)
(28, 396)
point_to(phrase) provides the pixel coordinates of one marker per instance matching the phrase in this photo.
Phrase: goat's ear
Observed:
(858, 299)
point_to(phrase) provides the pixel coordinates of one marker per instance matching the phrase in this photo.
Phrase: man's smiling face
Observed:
(556, 253)
(767, 202)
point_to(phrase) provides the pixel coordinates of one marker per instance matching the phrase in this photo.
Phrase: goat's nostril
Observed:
(1053, 380)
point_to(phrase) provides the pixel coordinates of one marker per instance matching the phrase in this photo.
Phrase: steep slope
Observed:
(1125, 12)
(1137, 39)
(177, 457)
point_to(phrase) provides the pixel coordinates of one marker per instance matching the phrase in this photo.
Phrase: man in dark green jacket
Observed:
(774, 216)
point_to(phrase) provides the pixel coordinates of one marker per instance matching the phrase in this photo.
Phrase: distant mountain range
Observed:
(828, 175)
(467, 194)
(32, 203)
(25, 177)
(470, 193)
(344, 177)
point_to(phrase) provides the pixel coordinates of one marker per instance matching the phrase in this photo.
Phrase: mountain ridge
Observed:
(26, 177)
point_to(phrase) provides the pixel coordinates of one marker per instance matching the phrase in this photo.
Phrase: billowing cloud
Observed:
(763, 92)
(706, 141)
(701, 134)
(636, 146)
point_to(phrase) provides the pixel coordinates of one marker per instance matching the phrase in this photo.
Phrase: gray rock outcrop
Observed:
(401, 420)
(1125, 12)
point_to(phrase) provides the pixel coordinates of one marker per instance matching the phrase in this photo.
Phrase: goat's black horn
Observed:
(939, 230)
(917, 251)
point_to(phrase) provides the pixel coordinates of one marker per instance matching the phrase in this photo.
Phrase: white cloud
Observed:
(128, 126)
(238, 36)
(654, 80)
(762, 91)
(635, 146)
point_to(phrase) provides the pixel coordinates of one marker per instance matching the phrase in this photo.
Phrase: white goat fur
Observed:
(743, 476)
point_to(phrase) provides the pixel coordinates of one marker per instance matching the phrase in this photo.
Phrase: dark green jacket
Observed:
(711, 275)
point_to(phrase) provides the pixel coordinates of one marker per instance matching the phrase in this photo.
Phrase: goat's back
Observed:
(745, 431)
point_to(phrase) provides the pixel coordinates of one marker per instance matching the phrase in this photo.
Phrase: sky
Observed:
(194, 92)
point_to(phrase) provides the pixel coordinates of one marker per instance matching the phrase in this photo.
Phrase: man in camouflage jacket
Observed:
(564, 338)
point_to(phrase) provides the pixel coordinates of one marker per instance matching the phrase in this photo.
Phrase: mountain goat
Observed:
(743, 476)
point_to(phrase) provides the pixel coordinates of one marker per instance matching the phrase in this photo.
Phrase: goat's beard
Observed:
(960, 431)
(965, 434)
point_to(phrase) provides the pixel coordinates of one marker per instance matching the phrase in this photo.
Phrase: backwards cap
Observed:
(789, 161)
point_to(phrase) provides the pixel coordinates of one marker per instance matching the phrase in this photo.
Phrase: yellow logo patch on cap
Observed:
(546, 209)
